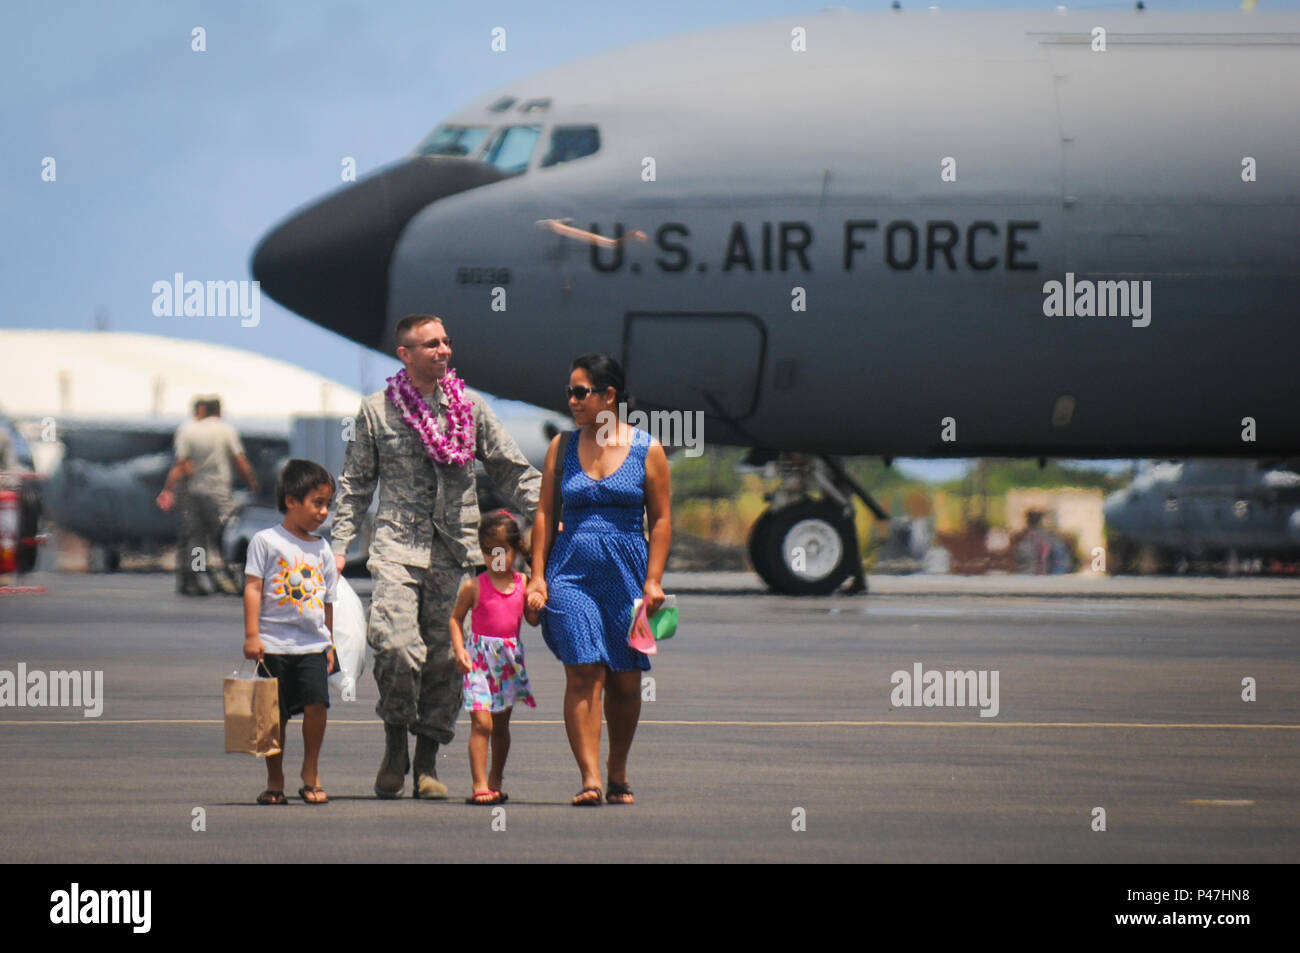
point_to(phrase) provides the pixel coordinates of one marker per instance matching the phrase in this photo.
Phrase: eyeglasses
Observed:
(581, 393)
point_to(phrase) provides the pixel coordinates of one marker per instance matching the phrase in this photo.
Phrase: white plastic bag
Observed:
(349, 640)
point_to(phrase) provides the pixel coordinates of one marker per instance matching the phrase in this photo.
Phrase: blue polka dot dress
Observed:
(597, 566)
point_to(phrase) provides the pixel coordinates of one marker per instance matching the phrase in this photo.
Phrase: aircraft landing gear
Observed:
(805, 546)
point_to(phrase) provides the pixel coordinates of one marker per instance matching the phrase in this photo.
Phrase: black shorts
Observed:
(303, 681)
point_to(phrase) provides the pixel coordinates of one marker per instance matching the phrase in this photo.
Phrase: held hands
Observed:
(536, 595)
(652, 595)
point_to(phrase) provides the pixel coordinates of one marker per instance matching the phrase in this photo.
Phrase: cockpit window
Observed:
(511, 147)
(502, 104)
(453, 141)
(571, 142)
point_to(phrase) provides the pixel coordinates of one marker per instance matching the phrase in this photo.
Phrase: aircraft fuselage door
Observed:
(711, 362)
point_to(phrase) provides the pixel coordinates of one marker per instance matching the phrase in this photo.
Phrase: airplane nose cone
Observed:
(329, 261)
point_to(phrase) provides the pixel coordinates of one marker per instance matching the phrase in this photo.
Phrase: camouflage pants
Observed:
(415, 664)
(201, 519)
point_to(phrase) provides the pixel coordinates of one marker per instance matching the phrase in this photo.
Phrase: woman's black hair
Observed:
(498, 521)
(604, 372)
(298, 479)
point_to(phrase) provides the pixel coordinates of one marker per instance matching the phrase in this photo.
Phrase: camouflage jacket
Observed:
(420, 499)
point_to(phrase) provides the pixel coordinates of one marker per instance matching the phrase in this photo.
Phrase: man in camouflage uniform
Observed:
(205, 448)
(425, 541)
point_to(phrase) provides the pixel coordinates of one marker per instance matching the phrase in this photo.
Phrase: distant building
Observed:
(117, 374)
(1075, 512)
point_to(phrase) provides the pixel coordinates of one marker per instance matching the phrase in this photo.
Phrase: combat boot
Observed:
(391, 778)
(427, 784)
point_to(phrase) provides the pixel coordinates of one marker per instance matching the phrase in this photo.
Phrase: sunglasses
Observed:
(581, 393)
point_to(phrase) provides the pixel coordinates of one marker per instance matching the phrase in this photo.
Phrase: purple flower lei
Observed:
(455, 442)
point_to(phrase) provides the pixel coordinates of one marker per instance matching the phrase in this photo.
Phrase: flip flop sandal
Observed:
(304, 791)
(272, 797)
(580, 801)
(485, 798)
(504, 796)
(619, 789)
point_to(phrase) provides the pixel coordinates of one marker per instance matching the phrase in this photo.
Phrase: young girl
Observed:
(493, 661)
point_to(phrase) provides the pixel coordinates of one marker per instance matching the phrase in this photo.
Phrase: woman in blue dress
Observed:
(614, 483)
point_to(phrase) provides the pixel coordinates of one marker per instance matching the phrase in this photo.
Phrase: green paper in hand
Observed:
(664, 622)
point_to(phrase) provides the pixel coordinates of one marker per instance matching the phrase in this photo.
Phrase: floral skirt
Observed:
(498, 679)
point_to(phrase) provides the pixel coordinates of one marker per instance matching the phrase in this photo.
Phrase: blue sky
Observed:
(170, 160)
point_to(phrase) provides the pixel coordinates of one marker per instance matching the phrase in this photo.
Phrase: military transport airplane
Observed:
(1204, 514)
(905, 234)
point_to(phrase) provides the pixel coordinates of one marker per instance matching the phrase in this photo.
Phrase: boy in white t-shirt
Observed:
(289, 592)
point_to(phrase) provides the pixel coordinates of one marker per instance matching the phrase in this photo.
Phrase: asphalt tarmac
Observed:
(771, 736)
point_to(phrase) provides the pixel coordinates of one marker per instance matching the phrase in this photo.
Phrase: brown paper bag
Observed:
(252, 714)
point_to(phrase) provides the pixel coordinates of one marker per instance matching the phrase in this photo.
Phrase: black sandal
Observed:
(580, 801)
(272, 797)
(320, 797)
(620, 789)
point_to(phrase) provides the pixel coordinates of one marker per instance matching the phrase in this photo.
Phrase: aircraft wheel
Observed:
(1120, 556)
(804, 550)
(1152, 561)
(759, 548)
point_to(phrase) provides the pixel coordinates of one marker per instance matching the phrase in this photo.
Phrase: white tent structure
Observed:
(122, 375)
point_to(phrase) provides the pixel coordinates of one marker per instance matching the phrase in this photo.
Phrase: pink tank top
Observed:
(498, 615)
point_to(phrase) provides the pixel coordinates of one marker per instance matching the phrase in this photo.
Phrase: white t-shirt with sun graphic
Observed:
(298, 578)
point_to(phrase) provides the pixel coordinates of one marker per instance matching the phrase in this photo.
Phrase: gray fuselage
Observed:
(922, 178)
